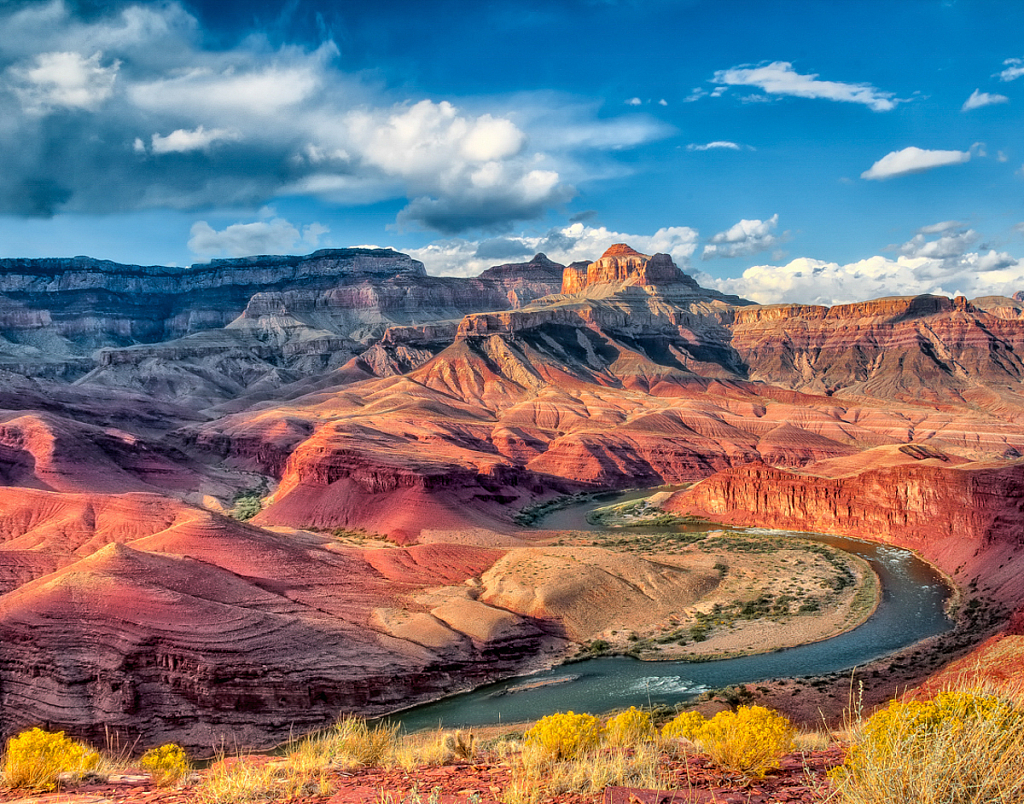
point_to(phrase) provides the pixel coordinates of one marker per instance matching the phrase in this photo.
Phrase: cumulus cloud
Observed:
(979, 99)
(1012, 70)
(913, 160)
(182, 141)
(946, 265)
(950, 245)
(711, 146)
(574, 243)
(743, 238)
(779, 78)
(253, 121)
(633, 102)
(63, 80)
(271, 236)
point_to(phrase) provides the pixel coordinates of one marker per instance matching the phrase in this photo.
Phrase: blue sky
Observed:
(787, 151)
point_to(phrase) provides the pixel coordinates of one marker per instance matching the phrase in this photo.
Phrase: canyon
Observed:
(389, 428)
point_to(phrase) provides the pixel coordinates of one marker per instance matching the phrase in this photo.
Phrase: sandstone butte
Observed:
(349, 391)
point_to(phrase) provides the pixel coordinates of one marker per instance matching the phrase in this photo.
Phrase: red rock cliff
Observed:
(965, 519)
(621, 264)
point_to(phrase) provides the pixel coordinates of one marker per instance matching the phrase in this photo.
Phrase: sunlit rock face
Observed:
(621, 264)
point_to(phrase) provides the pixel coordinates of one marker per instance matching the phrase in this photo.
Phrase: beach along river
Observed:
(911, 609)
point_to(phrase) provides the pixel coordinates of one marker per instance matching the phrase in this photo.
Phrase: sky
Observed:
(807, 151)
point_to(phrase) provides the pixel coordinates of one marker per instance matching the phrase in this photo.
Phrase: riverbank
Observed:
(770, 592)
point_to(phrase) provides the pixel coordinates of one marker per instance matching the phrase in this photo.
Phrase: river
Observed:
(912, 608)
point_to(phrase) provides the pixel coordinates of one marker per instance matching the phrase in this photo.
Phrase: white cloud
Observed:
(1012, 70)
(63, 80)
(242, 89)
(300, 124)
(271, 236)
(942, 226)
(633, 102)
(943, 266)
(711, 146)
(663, 102)
(779, 78)
(946, 247)
(979, 99)
(574, 243)
(913, 160)
(743, 238)
(182, 141)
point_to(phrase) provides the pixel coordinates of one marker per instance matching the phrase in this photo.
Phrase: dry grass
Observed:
(535, 775)
(244, 781)
(434, 748)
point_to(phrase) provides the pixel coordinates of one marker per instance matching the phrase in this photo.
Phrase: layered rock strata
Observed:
(621, 264)
(157, 622)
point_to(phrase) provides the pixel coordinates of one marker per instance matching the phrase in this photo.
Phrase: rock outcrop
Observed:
(620, 264)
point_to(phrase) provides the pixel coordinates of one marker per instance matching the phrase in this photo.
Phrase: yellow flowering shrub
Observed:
(962, 746)
(631, 727)
(36, 759)
(685, 725)
(750, 740)
(167, 764)
(565, 735)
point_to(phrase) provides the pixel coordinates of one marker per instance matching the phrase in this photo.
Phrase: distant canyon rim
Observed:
(242, 498)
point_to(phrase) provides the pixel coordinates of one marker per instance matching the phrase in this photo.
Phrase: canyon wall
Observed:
(967, 518)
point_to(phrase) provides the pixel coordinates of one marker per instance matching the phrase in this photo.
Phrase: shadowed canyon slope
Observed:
(349, 390)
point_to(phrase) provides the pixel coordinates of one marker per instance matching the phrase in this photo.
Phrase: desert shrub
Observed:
(564, 735)
(631, 727)
(168, 764)
(962, 747)
(37, 759)
(685, 725)
(750, 740)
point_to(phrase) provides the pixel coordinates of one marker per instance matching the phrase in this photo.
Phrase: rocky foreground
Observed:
(384, 432)
(801, 779)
